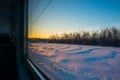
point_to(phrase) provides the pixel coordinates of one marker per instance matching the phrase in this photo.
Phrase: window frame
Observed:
(26, 68)
(35, 72)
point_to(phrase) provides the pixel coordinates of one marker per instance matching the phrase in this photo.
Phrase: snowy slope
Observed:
(76, 62)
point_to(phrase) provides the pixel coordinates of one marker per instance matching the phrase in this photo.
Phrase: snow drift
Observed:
(76, 62)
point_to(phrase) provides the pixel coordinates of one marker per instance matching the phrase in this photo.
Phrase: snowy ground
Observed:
(76, 62)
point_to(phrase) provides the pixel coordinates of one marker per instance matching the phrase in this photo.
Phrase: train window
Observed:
(75, 39)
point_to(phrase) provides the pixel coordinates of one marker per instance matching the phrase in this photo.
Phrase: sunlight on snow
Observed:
(78, 62)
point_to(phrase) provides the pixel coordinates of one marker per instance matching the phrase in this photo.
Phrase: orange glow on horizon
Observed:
(45, 36)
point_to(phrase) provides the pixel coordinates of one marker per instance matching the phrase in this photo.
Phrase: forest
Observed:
(104, 37)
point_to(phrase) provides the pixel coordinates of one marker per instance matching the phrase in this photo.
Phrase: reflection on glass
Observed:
(75, 39)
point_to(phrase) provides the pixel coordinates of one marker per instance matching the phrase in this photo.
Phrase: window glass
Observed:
(75, 39)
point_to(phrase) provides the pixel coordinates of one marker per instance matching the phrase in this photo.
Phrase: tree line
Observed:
(104, 37)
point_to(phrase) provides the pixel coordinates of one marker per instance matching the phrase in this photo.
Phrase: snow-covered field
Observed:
(76, 62)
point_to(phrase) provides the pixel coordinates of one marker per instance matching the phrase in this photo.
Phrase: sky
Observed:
(72, 16)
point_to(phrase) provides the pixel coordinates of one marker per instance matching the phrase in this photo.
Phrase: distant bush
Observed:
(105, 37)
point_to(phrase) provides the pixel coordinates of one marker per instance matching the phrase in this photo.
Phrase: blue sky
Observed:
(75, 15)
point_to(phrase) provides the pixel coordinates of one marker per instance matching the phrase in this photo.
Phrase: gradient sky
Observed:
(73, 16)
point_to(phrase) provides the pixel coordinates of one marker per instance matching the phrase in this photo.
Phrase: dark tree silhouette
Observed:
(105, 37)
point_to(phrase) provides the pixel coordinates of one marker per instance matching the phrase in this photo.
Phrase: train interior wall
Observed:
(8, 67)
